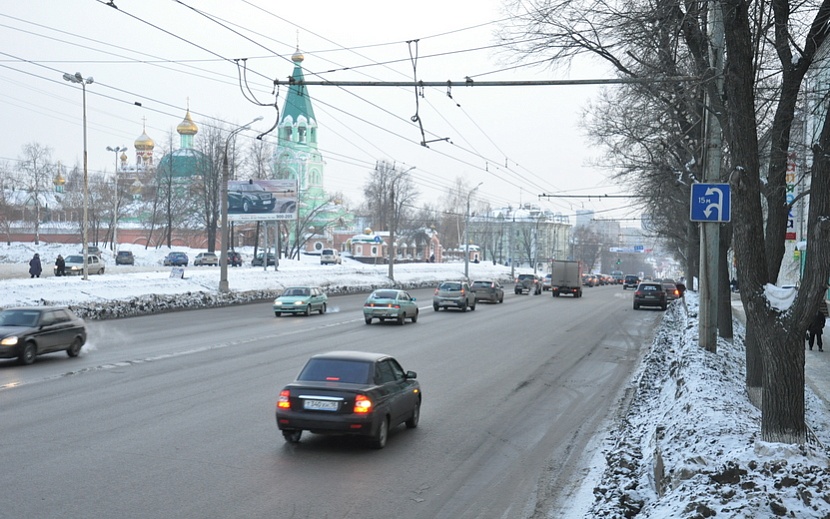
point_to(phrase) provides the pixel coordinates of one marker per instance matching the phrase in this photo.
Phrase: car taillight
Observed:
(362, 404)
(283, 401)
(436, 291)
(638, 293)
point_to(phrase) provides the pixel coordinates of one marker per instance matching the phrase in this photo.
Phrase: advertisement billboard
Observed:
(259, 200)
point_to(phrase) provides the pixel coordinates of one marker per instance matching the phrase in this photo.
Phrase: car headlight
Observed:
(299, 303)
(277, 303)
(9, 341)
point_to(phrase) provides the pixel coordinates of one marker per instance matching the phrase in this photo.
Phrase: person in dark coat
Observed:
(60, 266)
(34, 266)
(815, 330)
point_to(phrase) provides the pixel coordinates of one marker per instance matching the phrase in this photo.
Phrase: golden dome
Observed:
(144, 142)
(187, 126)
(124, 156)
(59, 180)
(297, 57)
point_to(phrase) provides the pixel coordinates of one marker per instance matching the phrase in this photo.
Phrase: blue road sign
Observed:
(711, 203)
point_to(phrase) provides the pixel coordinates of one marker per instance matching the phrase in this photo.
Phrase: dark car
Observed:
(27, 332)
(454, 294)
(630, 281)
(124, 257)
(488, 290)
(672, 291)
(234, 258)
(244, 197)
(528, 283)
(649, 293)
(176, 259)
(349, 393)
(260, 258)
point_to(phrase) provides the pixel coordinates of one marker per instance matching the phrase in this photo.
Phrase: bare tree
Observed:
(36, 170)
(761, 39)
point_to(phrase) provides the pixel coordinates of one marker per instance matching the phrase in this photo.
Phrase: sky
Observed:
(710, 431)
(152, 59)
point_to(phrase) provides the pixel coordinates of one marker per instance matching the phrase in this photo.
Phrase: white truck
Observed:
(566, 278)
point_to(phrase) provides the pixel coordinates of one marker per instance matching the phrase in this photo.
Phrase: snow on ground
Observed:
(687, 447)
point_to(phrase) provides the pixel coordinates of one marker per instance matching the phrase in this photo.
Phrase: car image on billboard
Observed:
(257, 200)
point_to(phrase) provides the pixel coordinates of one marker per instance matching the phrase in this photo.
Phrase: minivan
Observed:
(329, 257)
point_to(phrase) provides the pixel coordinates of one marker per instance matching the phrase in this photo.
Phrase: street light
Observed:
(393, 226)
(223, 242)
(77, 78)
(466, 240)
(117, 150)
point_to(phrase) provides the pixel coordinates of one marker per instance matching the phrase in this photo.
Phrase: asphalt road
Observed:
(173, 415)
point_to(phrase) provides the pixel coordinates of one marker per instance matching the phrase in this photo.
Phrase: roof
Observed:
(362, 356)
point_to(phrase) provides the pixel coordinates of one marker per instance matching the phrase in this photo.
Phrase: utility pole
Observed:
(710, 231)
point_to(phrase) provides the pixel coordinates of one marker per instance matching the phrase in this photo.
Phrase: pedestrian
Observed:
(815, 330)
(34, 266)
(60, 266)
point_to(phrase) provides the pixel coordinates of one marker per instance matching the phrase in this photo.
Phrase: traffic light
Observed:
(618, 261)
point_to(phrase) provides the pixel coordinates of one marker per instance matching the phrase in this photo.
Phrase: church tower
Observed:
(296, 155)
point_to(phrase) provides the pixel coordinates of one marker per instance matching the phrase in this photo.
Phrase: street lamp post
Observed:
(466, 239)
(77, 78)
(393, 221)
(223, 242)
(117, 150)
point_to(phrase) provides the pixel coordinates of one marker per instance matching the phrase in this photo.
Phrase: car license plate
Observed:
(320, 405)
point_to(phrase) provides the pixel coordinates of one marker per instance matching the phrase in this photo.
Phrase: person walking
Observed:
(34, 266)
(815, 330)
(60, 266)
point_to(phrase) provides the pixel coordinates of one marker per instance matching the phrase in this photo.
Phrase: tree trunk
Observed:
(782, 417)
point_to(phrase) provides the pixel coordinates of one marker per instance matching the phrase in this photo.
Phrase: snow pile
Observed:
(689, 446)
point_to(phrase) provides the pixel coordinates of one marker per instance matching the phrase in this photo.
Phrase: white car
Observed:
(206, 259)
(330, 257)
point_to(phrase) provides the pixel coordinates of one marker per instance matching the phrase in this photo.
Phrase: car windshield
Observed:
(385, 294)
(296, 292)
(125, 253)
(74, 259)
(649, 288)
(19, 317)
(336, 370)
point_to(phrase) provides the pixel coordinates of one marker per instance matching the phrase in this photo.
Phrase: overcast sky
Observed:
(163, 54)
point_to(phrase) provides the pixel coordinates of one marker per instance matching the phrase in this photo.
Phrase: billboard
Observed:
(258, 200)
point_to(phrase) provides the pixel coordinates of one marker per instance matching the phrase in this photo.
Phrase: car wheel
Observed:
(323, 309)
(464, 307)
(368, 320)
(382, 434)
(415, 317)
(27, 356)
(636, 306)
(101, 271)
(435, 307)
(277, 314)
(307, 310)
(401, 318)
(501, 299)
(473, 307)
(664, 306)
(416, 416)
(75, 348)
(292, 436)
(246, 206)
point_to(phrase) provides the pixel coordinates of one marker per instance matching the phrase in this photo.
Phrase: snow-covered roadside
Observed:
(689, 445)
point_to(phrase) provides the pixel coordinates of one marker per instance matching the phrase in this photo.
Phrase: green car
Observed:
(300, 300)
(391, 304)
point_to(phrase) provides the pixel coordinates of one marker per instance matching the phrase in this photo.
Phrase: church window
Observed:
(301, 133)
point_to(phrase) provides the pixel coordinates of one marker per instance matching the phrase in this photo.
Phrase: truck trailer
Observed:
(566, 278)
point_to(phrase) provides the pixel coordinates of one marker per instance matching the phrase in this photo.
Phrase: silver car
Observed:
(454, 294)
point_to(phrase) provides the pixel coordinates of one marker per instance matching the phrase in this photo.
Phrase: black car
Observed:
(27, 332)
(528, 283)
(650, 293)
(349, 393)
(234, 258)
(124, 257)
(245, 197)
(630, 281)
(260, 258)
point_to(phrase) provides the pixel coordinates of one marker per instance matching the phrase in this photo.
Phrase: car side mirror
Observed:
(414, 299)
(411, 374)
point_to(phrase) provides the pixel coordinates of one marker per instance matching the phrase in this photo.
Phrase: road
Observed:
(173, 415)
